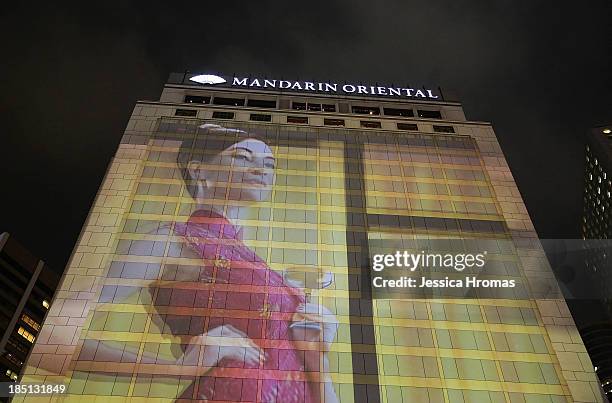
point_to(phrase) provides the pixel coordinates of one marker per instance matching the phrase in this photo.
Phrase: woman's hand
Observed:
(310, 313)
(228, 342)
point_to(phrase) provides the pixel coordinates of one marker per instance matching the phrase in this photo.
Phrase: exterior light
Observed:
(208, 79)
(45, 303)
(607, 131)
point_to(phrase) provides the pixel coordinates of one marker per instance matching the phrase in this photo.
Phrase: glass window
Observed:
(228, 101)
(223, 115)
(329, 108)
(298, 106)
(443, 129)
(261, 103)
(407, 126)
(333, 122)
(26, 335)
(366, 110)
(34, 324)
(297, 119)
(429, 114)
(260, 117)
(314, 107)
(185, 112)
(196, 99)
(13, 359)
(370, 124)
(398, 112)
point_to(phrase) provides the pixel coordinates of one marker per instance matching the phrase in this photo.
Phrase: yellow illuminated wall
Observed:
(463, 350)
(110, 336)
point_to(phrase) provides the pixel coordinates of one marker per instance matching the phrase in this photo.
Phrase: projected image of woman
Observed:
(253, 346)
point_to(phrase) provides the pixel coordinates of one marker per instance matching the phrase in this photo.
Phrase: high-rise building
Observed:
(597, 218)
(597, 232)
(598, 341)
(228, 256)
(597, 221)
(27, 290)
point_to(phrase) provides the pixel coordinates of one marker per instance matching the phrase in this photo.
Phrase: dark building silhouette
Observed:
(27, 290)
(598, 341)
(596, 231)
(597, 217)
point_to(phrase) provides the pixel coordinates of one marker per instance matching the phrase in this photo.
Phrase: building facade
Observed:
(226, 256)
(27, 290)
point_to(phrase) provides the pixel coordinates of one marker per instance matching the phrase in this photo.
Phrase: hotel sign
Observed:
(317, 87)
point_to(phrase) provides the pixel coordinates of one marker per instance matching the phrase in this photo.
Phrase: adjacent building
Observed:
(596, 232)
(27, 291)
(597, 218)
(231, 201)
(598, 341)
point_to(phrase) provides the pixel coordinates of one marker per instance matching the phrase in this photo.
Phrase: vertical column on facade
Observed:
(573, 361)
(81, 283)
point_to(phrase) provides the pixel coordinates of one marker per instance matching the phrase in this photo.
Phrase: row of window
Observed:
(403, 112)
(404, 365)
(13, 360)
(397, 309)
(399, 202)
(26, 335)
(12, 374)
(259, 117)
(164, 387)
(392, 186)
(314, 106)
(34, 324)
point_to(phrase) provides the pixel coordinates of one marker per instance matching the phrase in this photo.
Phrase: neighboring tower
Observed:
(598, 341)
(597, 209)
(597, 232)
(27, 286)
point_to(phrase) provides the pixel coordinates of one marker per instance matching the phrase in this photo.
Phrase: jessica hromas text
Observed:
(424, 282)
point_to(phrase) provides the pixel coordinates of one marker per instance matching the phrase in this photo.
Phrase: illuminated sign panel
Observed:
(318, 87)
(208, 79)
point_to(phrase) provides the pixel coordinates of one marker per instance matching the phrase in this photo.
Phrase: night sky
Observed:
(540, 71)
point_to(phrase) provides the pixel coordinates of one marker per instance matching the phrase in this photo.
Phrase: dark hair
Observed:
(210, 140)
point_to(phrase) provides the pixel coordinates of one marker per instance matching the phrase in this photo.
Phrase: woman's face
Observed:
(243, 171)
